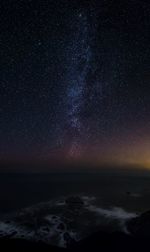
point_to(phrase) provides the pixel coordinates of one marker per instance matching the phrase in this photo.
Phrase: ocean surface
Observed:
(60, 208)
(129, 191)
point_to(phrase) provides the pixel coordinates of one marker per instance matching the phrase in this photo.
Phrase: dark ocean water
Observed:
(61, 207)
(128, 191)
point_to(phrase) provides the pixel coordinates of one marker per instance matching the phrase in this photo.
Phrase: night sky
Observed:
(75, 80)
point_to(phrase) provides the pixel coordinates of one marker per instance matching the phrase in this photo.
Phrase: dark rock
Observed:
(46, 229)
(69, 240)
(140, 225)
(74, 202)
(54, 217)
(128, 193)
(97, 242)
(25, 246)
(61, 227)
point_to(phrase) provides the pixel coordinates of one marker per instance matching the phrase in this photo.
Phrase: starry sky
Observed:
(75, 80)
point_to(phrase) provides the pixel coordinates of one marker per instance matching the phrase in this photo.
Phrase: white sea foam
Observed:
(53, 221)
(114, 213)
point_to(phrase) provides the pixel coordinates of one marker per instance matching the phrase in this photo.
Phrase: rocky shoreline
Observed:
(41, 232)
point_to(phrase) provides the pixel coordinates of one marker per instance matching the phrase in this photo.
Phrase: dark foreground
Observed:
(138, 227)
(138, 240)
(97, 242)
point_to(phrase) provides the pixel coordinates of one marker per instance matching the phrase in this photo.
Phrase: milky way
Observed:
(79, 56)
(75, 79)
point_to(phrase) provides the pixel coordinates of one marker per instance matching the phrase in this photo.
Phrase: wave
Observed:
(64, 221)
